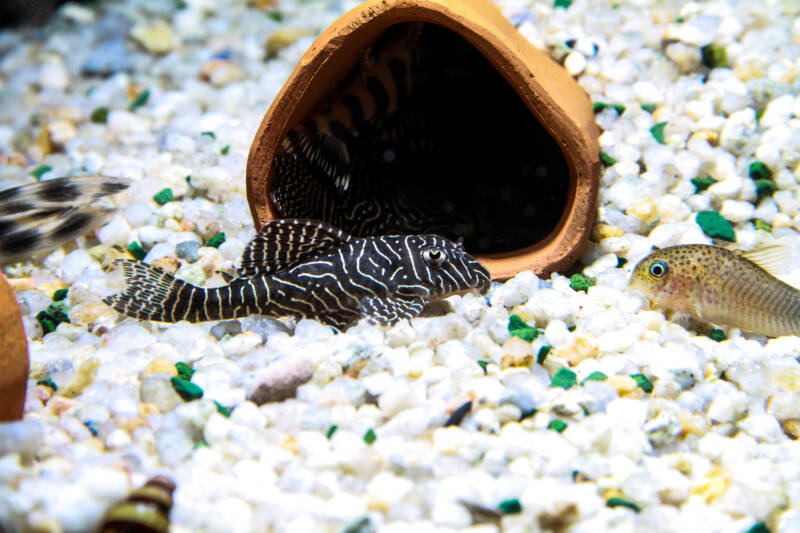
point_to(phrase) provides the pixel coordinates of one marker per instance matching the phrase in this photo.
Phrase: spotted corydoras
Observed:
(305, 268)
(721, 286)
(45, 214)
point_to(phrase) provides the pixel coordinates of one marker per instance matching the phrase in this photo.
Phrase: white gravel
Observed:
(709, 449)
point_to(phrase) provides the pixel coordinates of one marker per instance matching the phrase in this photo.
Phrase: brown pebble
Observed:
(281, 379)
(13, 356)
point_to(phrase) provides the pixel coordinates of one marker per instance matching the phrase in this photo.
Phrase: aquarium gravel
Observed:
(548, 405)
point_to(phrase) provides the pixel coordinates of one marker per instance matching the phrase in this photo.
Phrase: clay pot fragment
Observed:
(496, 143)
(13, 356)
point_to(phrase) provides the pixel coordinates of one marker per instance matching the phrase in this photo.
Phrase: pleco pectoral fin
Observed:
(387, 311)
(774, 259)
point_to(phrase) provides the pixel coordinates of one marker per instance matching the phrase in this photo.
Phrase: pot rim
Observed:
(556, 100)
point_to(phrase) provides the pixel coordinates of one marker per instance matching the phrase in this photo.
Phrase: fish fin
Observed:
(387, 311)
(282, 243)
(46, 214)
(47, 228)
(324, 151)
(61, 193)
(774, 259)
(147, 289)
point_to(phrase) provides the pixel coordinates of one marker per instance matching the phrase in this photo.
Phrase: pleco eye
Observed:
(432, 255)
(658, 269)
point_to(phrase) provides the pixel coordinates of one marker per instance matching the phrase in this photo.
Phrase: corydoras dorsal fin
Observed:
(282, 243)
(774, 258)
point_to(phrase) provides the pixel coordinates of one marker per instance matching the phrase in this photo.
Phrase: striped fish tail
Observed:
(152, 294)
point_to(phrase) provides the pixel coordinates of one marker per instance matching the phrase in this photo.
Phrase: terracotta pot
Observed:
(13, 356)
(547, 90)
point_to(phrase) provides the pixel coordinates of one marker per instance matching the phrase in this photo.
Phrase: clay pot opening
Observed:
(496, 141)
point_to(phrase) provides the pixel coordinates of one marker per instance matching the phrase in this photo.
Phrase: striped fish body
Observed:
(305, 268)
(722, 287)
(145, 510)
(378, 90)
(43, 215)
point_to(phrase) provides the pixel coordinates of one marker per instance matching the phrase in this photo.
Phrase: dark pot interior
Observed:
(462, 157)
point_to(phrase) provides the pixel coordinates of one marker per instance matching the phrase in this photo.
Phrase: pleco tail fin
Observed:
(152, 294)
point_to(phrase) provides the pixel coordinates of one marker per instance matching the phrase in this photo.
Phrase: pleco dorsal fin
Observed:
(774, 258)
(282, 243)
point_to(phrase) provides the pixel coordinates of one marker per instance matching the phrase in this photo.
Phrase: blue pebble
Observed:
(188, 250)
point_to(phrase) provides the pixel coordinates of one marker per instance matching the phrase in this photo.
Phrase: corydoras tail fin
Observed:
(282, 243)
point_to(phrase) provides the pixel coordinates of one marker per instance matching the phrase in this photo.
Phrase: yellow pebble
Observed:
(605, 231)
(646, 210)
(791, 428)
(625, 386)
(82, 379)
(159, 366)
(709, 136)
(517, 353)
(147, 409)
(21, 284)
(716, 483)
(576, 350)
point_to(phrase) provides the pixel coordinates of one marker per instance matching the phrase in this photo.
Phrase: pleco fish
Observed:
(713, 284)
(305, 268)
(45, 214)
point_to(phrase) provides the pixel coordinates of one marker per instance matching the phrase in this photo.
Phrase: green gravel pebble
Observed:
(225, 149)
(186, 390)
(41, 170)
(648, 107)
(715, 226)
(557, 425)
(606, 159)
(163, 196)
(759, 527)
(221, 409)
(562, 3)
(209, 134)
(578, 282)
(658, 132)
(48, 382)
(511, 506)
(483, 365)
(564, 378)
(518, 328)
(717, 334)
(99, 115)
(216, 240)
(594, 376)
(140, 100)
(136, 250)
(55, 314)
(621, 262)
(599, 106)
(642, 382)
(60, 294)
(759, 171)
(622, 502)
(701, 184)
(200, 444)
(185, 372)
(370, 436)
(762, 225)
(543, 352)
(362, 524)
(331, 431)
(277, 16)
(765, 188)
(714, 56)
